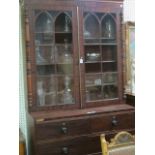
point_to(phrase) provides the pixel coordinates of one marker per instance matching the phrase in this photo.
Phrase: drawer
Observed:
(83, 145)
(61, 129)
(115, 121)
(78, 146)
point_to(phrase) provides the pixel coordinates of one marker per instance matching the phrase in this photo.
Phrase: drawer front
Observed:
(115, 121)
(62, 129)
(79, 146)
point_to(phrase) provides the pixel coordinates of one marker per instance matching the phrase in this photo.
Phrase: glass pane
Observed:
(65, 90)
(93, 84)
(44, 23)
(44, 54)
(109, 53)
(63, 23)
(45, 69)
(109, 67)
(43, 38)
(61, 37)
(91, 29)
(110, 91)
(108, 29)
(92, 67)
(92, 54)
(46, 91)
(110, 78)
(93, 80)
(100, 53)
(64, 52)
(54, 59)
(64, 69)
(93, 93)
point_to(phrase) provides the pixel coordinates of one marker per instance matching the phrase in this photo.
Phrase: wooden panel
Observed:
(115, 121)
(101, 6)
(51, 2)
(130, 99)
(77, 146)
(85, 125)
(62, 129)
(75, 131)
(48, 115)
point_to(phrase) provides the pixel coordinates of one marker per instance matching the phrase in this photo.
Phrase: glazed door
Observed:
(75, 56)
(55, 57)
(100, 53)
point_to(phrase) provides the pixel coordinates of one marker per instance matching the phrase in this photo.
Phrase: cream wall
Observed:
(129, 10)
(129, 15)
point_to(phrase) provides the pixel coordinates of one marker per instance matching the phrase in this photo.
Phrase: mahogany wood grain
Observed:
(124, 120)
(101, 6)
(62, 129)
(83, 145)
(48, 115)
(130, 99)
(66, 128)
(75, 129)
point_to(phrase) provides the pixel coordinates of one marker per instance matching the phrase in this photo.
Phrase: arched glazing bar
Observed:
(108, 26)
(91, 26)
(63, 22)
(44, 22)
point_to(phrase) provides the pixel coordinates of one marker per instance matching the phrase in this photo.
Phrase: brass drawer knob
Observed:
(114, 121)
(65, 151)
(64, 130)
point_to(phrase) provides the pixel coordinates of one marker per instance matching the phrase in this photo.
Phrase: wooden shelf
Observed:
(46, 45)
(88, 62)
(109, 83)
(94, 73)
(99, 73)
(109, 44)
(45, 64)
(63, 32)
(64, 63)
(54, 63)
(101, 100)
(103, 38)
(102, 84)
(110, 72)
(46, 76)
(93, 84)
(62, 44)
(54, 75)
(100, 44)
(105, 61)
(108, 61)
(47, 32)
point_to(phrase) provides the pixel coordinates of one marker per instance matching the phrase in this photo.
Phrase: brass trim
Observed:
(40, 120)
